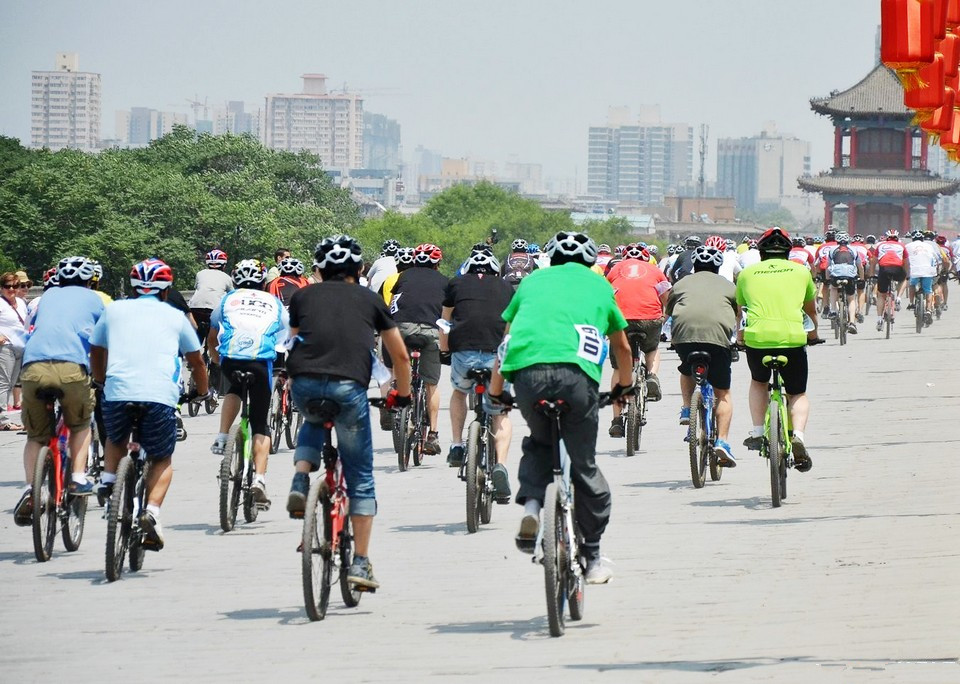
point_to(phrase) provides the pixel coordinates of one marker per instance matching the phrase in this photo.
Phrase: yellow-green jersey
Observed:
(773, 293)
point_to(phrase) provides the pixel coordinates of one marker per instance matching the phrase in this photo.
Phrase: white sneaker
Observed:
(597, 572)
(219, 446)
(259, 491)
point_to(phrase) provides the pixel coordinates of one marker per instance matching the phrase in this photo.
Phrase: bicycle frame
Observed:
(709, 401)
(337, 486)
(778, 395)
(561, 477)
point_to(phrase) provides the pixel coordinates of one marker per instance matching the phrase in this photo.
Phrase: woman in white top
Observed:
(13, 333)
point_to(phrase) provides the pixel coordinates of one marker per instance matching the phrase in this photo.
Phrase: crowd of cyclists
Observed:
(543, 322)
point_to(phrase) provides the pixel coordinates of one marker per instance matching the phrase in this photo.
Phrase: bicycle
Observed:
(282, 410)
(411, 425)
(919, 307)
(127, 501)
(53, 505)
(559, 539)
(842, 318)
(889, 307)
(870, 295)
(237, 468)
(325, 560)
(702, 437)
(481, 458)
(210, 403)
(635, 412)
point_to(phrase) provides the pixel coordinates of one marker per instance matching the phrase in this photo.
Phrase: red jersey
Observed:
(638, 286)
(283, 287)
(823, 254)
(890, 253)
(862, 252)
(801, 255)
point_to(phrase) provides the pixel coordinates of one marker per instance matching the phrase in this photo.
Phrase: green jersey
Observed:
(773, 293)
(560, 315)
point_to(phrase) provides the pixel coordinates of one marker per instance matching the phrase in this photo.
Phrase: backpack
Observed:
(843, 255)
(518, 267)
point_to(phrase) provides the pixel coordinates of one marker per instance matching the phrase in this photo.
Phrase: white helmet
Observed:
(708, 255)
(576, 245)
(290, 266)
(481, 261)
(249, 272)
(75, 267)
(337, 251)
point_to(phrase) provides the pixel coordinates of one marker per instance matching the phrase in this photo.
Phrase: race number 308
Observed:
(591, 344)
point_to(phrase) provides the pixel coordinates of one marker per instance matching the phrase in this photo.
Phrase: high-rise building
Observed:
(639, 161)
(760, 172)
(137, 126)
(328, 124)
(381, 142)
(65, 106)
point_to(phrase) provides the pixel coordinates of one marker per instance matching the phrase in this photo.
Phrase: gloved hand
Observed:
(445, 357)
(504, 399)
(395, 400)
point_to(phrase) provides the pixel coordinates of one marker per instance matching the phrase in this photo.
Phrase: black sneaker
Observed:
(386, 420)
(152, 536)
(753, 442)
(501, 483)
(455, 457)
(801, 459)
(297, 499)
(23, 511)
(432, 446)
(616, 428)
(526, 538)
(361, 576)
(653, 388)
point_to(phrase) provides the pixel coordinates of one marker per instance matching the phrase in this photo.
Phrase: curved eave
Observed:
(879, 93)
(884, 187)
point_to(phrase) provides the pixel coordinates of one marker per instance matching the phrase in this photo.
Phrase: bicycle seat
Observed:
(49, 394)
(699, 358)
(551, 407)
(134, 410)
(242, 377)
(321, 410)
(775, 361)
(417, 341)
(481, 376)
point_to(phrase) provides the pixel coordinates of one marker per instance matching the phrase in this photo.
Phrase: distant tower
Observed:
(701, 180)
(65, 107)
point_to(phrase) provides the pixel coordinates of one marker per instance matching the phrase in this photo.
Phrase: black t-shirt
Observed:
(338, 322)
(683, 266)
(477, 301)
(176, 300)
(418, 296)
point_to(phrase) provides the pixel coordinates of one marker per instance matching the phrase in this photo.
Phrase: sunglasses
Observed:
(10, 286)
(25, 286)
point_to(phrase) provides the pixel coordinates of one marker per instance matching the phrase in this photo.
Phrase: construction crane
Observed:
(382, 91)
(196, 105)
(701, 181)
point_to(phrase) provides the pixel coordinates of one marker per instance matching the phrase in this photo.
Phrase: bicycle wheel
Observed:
(887, 324)
(641, 399)
(486, 464)
(292, 427)
(275, 420)
(397, 431)
(842, 322)
(918, 311)
(136, 549)
(474, 478)
(632, 426)
(775, 454)
(716, 470)
(402, 425)
(554, 559)
(697, 438)
(420, 426)
(316, 551)
(72, 530)
(868, 299)
(351, 596)
(44, 506)
(250, 510)
(576, 581)
(119, 520)
(231, 485)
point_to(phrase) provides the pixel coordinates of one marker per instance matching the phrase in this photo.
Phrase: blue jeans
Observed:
(461, 363)
(926, 283)
(354, 438)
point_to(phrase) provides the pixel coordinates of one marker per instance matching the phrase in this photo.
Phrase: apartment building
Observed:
(65, 106)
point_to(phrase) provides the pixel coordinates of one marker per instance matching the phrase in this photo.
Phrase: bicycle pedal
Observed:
(263, 506)
(297, 515)
(503, 501)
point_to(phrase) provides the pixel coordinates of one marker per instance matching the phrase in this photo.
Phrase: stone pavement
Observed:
(853, 579)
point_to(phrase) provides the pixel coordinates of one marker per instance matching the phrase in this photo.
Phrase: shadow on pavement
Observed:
(18, 557)
(822, 518)
(520, 630)
(754, 503)
(97, 576)
(283, 616)
(12, 483)
(672, 485)
(456, 528)
(868, 664)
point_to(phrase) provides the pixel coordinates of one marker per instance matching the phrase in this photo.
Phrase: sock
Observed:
(262, 479)
(108, 478)
(152, 508)
(798, 435)
(26, 488)
(532, 507)
(222, 437)
(757, 431)
(79, 478)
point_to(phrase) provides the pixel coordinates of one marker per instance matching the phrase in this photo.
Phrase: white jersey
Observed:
(667, 264)
(731, 265)
(379, 271)
(749, 258)
(924, 259)
(209, 288)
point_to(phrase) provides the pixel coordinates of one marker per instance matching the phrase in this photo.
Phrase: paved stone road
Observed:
(854, 578)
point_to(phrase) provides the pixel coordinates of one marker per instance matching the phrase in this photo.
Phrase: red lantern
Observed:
(928, 98)
(950, 140)
(942, 119)
(939, 19)
(907, 43)
(949, 47)
(953, 13)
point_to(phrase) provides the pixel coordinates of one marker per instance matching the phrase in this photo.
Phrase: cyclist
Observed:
(654, 251)
(95, 283)
(641, 292)
(843, 263)
(666, 264)
(820, 261)
(924, 258)
(289, 281)
(744, 244)
(128, 372)
(384, 266)
(416, 305)
(863, 252)
(705, 316)
(50, 279)
(683, 264)
(209, 287)
(776, 293)
(334, 325)
(278, 256)
(244, 332)
(543, 259)
(553, 349)
(519, 263)
(810, 246)
(947, 267)
(800, 254)
(751, 256)
(603, 256)
(890, 261)
(473, 304)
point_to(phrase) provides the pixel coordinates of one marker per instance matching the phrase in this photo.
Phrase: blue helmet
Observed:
(533, 248)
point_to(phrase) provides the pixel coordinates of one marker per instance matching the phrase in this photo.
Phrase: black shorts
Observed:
(943, 278)
(861, 285)
(887, 274)
(849, 289)
(719, 373)
(258, 391)
(202, 317)
(794, 374)
(644, 337)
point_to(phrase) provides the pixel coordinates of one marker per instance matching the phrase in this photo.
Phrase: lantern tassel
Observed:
(922, 116)
(910, 79)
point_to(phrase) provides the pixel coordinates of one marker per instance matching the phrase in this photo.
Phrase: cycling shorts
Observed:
(849, 289)
(429, 355)
(794, 374)
(644, 337)
(718, 373)
(887, 274)
(158, 427)
(258, 391)
(462, 362)
(76, 404)
(202, 317)
(925, 282)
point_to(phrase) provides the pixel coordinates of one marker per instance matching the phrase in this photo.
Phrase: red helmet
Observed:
(941, 239)
(775, 239)
(427, 254)
(716, 242)
(216, 257)
(151, 276)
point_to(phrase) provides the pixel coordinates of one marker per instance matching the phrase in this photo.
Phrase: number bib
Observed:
(592, 345)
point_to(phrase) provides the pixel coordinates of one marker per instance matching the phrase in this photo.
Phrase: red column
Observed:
(837, 147)
(930, 217)
(905, 220)
(853, 148)
(827, 215)
(923, 150)
(908, 149)
(851, 218)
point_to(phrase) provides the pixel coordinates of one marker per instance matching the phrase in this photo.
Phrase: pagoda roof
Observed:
(879, 92)
(879, 183)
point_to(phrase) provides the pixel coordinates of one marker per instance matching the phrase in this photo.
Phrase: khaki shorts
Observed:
(77, 402)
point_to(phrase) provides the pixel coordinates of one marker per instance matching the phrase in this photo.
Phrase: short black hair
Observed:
(280, 252)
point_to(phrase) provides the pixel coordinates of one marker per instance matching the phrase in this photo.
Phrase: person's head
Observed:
(843, 239)
(731, 244)
(745, 240)
(798, 242)
(653, 249)
(857, 239)
(338, 258)
(671, 249)
(716, 242)
(809, 240)
(290, 267)
(707, 258)
(404, 258)
(151, 277)
(483, 262)
(281, 254)
(429, 255)
(830, 236)
(565, 248)
(603, 249)
(916, 236)
(774, 244)
(818, 239)
(50, 279)
(217, 259)
(692, 242)
(481, 247)
(892, 235)
(941, 240)
(871, 239)
(250, 274)
(390, 248)
(97, 275)
(25, 282)
(533, 248)
(75, 270)
(619, 250)
(929, 235)
(519, 245)
(11, 286)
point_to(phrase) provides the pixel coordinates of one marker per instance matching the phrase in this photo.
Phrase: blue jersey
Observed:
(252, 323)
(62, 325)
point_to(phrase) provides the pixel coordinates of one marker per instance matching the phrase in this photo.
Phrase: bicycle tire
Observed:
(275, 420)
(420, 425)
(474, 478)
(554, 570)
(403, 424)
(716, 470)
(487, 462)
(316, 553)
(72, 529)
(919, 305)
(641, 399)
(775, 454)
(576, 582)
(292, 428)
(230, 487)
(842, 321)
(119, 521)
(632, 426)
(396, 431)
(250, 510)
(136, 550)
(887, 324)
(209, 405)
(44, 505)
(867, 300)
(351, 595)
(193, 409)
(696, 435)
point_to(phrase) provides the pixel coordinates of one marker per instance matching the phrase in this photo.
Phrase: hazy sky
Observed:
(492, 79)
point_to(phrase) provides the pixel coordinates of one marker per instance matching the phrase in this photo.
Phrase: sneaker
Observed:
(78, 489)
(724, 454)
(597, 572)
(927, 319)
(361, 574)
(801, 459)
(616, 428)
(432, 446)
(879, 324)
(258, 490)
(851, 328)
(103, 490)
(653, 388)
(859, 318)
(909, 306)
(753, 442)
(297, 499)
(152, 534)
(386, 420)
(685, 415)
(501, 483)
(455, 456)
(897, 305)
(23, 511)
(219, 446)
(527, 534)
